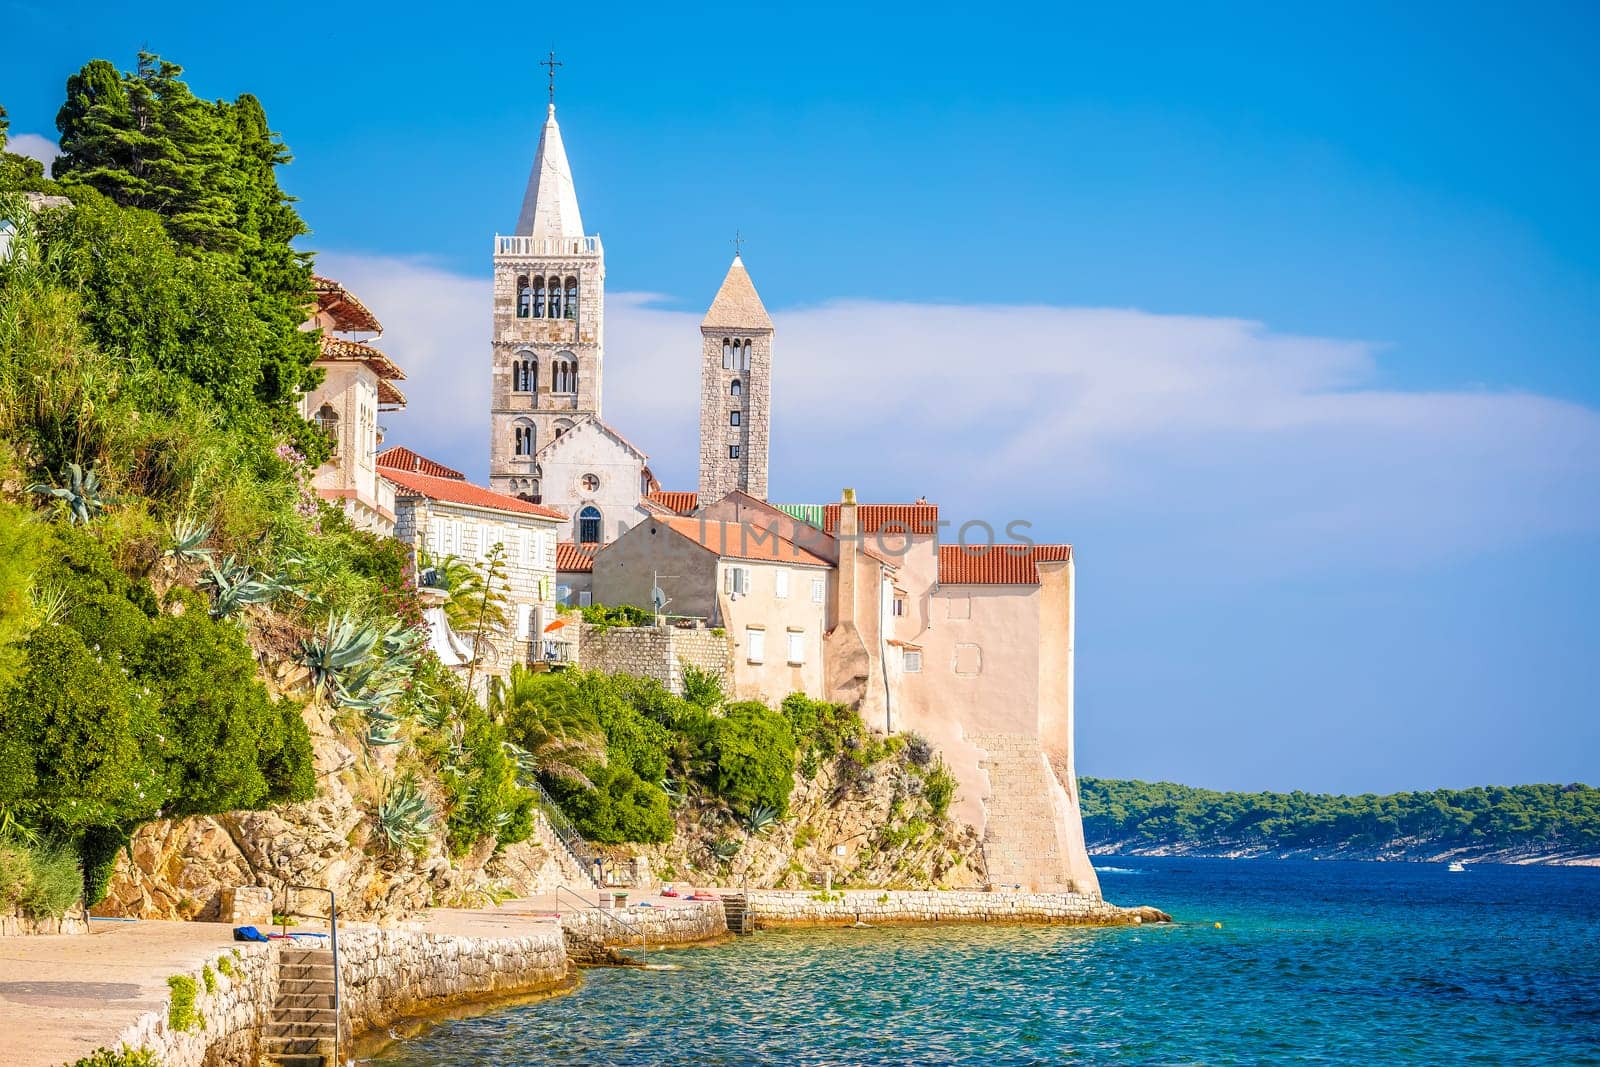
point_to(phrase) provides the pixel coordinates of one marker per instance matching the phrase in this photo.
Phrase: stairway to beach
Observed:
(304, 1025)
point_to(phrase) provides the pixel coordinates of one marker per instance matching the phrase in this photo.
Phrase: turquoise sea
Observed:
(1338, 963)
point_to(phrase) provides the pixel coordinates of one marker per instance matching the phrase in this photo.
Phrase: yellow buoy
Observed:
(1217, 925)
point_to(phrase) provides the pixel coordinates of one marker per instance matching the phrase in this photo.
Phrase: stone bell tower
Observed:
(549, 322)
(735, 390)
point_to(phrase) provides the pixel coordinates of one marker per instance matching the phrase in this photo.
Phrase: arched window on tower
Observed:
(727, 354)
(524, 297)
(736, 388)
(538, 298)
(745, 358)
(572, 298)
(589, 526)
(328, 423)
(564, 373)
(523, 439)
(555, 298)
(525, 374)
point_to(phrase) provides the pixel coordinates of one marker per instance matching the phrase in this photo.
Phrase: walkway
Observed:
(64, 995)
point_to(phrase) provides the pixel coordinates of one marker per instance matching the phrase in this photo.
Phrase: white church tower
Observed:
(735, 390)
(549, 328)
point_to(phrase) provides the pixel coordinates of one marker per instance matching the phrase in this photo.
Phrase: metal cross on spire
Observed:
(552, 64)
(738, 244)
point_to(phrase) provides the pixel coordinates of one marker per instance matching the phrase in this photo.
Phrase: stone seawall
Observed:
(774, 908)
(228, 1018)
(392, 974)
(688, 923)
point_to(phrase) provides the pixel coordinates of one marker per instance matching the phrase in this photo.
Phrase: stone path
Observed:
(64, 995)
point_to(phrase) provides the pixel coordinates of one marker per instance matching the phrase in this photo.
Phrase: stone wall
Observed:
(685, 923)
(389, 974)
(16, 925)
(652, 652)
(234, 1013)
(772, 908)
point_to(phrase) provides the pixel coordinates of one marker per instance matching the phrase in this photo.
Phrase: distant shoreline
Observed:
(1100, 850)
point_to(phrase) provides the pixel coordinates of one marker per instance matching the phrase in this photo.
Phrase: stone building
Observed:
(769, 594)
(735, 389)
(357, 385)
(439, 512)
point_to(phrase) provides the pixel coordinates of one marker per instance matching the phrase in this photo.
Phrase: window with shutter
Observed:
(797, 647)
(913, 662)
(819, 590)
(780, 585)
(755, 645)
(524, 613)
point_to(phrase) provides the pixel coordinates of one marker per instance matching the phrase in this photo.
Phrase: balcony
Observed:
(548, 651)
(521, 245)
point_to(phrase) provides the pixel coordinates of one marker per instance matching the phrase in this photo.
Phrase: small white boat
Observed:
(1456, 866)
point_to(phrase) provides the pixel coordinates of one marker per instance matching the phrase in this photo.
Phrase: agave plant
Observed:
(726, 848)
(339, 650)
(81, 494)
(760, 819)
(235, 584)
(405, 817)
(188, 541)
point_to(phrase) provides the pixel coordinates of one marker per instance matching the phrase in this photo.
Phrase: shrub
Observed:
(209, 977)
(753, 750)
(939, 789)
(485, 800)
(702, 688)
(822, 729)
(38, 882)
(122, 1057)
(181, 1012)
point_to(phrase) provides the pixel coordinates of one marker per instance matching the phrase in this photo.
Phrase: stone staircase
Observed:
(1020, 846)
(736, 907)
(304, 1026)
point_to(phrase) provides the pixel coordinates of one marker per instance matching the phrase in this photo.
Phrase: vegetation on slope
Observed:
(158, 539)
(1545, 820)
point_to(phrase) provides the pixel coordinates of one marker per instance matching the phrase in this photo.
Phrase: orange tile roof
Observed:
(401, 458)
(389, 398)
(676, 502)
(457, 491)
(919, 519)
(337, 348)
(570, 556)
(734, 540)
(351, 314)
(996, 564)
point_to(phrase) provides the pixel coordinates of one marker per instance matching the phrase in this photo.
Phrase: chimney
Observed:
(845, 613)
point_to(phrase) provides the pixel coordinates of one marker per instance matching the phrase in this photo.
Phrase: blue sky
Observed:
(1286, 319)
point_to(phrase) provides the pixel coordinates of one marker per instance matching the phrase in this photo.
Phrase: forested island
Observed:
(1505, 824)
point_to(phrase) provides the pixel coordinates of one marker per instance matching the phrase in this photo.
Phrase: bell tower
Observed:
(735, 390)
(548, 347)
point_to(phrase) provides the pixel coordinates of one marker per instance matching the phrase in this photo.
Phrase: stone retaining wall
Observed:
(651, 652)
(688, 923)
(773, 907)
(13, 924)
(391, 974)
(234, 1013)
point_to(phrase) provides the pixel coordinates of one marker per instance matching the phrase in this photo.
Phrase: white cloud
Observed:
(1205, 435)
(35, 146)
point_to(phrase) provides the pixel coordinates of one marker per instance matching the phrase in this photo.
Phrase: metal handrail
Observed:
(566, 833)
(635, 930)
(333, 938)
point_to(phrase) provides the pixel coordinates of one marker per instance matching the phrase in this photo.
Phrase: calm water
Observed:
(1346, 963)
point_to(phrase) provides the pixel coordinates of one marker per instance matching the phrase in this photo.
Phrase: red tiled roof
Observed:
(570, 556)
(919, 519)
(457, 491)
(337, 348)
(389, 398)
(996, 564)
(734, 540)
(676, 502)
(401, 458)
(351, 314)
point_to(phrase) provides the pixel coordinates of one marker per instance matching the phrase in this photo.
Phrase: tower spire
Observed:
(550, 205)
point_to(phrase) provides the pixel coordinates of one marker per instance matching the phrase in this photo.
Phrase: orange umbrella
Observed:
(558, 624)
